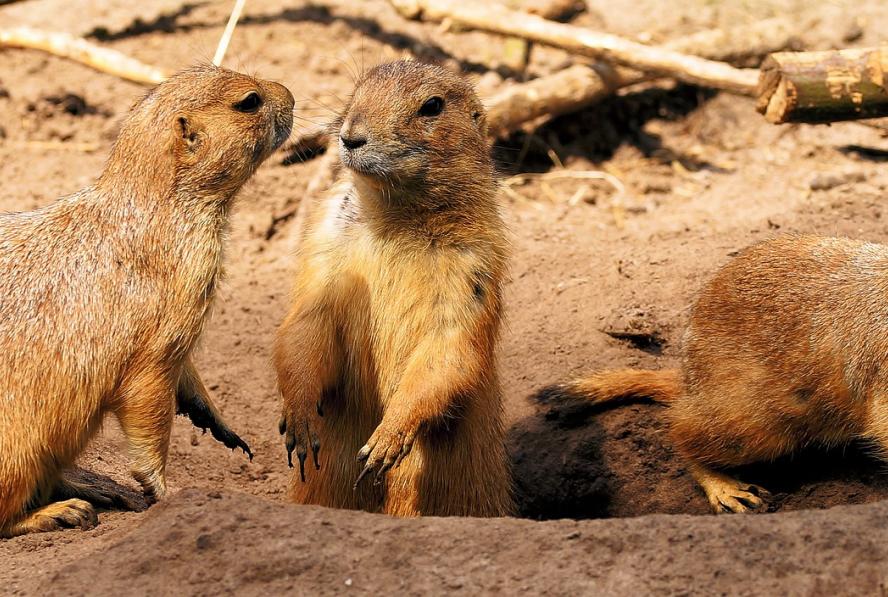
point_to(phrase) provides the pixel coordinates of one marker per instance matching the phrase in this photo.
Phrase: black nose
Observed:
(353, 142)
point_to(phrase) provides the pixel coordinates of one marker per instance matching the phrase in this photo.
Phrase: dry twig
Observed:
(222, 48)
(497, 19)
(520, 179)
(79, 50)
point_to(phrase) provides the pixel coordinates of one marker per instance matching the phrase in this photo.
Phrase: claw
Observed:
(302, 456)
(315, 449)
(363, 453)
(380, 474)
(364, 473)
(320, 410)
(291, 445)
(282, 425)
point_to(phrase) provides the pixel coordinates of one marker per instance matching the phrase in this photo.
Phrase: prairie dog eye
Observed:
(432, 106)
(251, 102)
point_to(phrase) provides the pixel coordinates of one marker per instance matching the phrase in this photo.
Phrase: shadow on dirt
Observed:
(109, 486)
(164, 23)
(557, 466)
(597, 133)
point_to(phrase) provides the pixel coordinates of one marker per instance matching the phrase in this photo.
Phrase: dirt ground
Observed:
(705, 176)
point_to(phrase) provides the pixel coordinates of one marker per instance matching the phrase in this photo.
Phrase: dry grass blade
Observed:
(520, 179)
(222, 48)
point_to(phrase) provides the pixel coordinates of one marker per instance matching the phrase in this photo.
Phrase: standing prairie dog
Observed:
(103, 293)
(787, 347)
(386, 360)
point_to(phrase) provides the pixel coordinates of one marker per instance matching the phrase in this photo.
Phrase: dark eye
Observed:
(249, 103)
(432, 106)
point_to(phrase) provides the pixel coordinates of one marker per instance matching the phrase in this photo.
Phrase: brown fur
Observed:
(397, 307)
(103, 293)
(786, 348)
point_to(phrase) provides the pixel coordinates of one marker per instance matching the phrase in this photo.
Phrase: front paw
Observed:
(300, 425)
(386, 448)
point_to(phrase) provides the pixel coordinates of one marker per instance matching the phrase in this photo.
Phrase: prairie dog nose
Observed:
(353, 142)
(354, 133)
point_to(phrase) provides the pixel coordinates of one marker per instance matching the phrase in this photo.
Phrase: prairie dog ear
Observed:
(479, 117)
(190, 136)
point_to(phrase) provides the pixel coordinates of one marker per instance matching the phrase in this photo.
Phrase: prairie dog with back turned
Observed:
(787, 347)
(103, 293)
(397, 306)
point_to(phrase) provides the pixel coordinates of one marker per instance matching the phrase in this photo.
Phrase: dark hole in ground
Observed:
(649, 342)
(571, 459)
(69, 103)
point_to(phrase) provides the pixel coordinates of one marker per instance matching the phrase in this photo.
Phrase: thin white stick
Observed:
(74, 48)
(229, 31)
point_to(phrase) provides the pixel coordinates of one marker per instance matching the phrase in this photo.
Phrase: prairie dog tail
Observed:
(618, 384)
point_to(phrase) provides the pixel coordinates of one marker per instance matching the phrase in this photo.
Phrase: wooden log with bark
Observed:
(617, 50)
(817, 87)
(580, 86)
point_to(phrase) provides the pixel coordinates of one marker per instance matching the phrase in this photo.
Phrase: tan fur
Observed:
(787, 347)
(397, 310)
(103, 293)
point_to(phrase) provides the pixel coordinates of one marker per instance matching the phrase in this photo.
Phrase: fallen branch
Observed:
(611, 48)
(580, 86)
(817, 87)
(79, 50)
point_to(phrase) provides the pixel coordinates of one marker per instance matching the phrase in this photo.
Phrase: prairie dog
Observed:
(786, 347)
(386, 361)
(103, 293)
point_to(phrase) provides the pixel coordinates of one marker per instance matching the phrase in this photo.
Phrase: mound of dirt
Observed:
(210, 543)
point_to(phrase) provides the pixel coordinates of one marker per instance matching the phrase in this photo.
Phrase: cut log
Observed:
(817, 87)
(79, 50)
(611, 48)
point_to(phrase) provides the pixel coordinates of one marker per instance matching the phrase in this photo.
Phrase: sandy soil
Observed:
(705, 177)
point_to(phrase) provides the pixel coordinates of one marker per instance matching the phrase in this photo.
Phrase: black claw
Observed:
(291, 445)
(282, 425)
(315, 449)
(302, 456)
(320, 410)
(364, 473)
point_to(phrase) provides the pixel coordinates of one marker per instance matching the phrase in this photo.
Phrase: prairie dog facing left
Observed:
(103, 293)
(386, 360)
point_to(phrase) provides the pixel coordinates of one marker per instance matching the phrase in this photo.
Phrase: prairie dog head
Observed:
(203, 131)
(411, 126)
